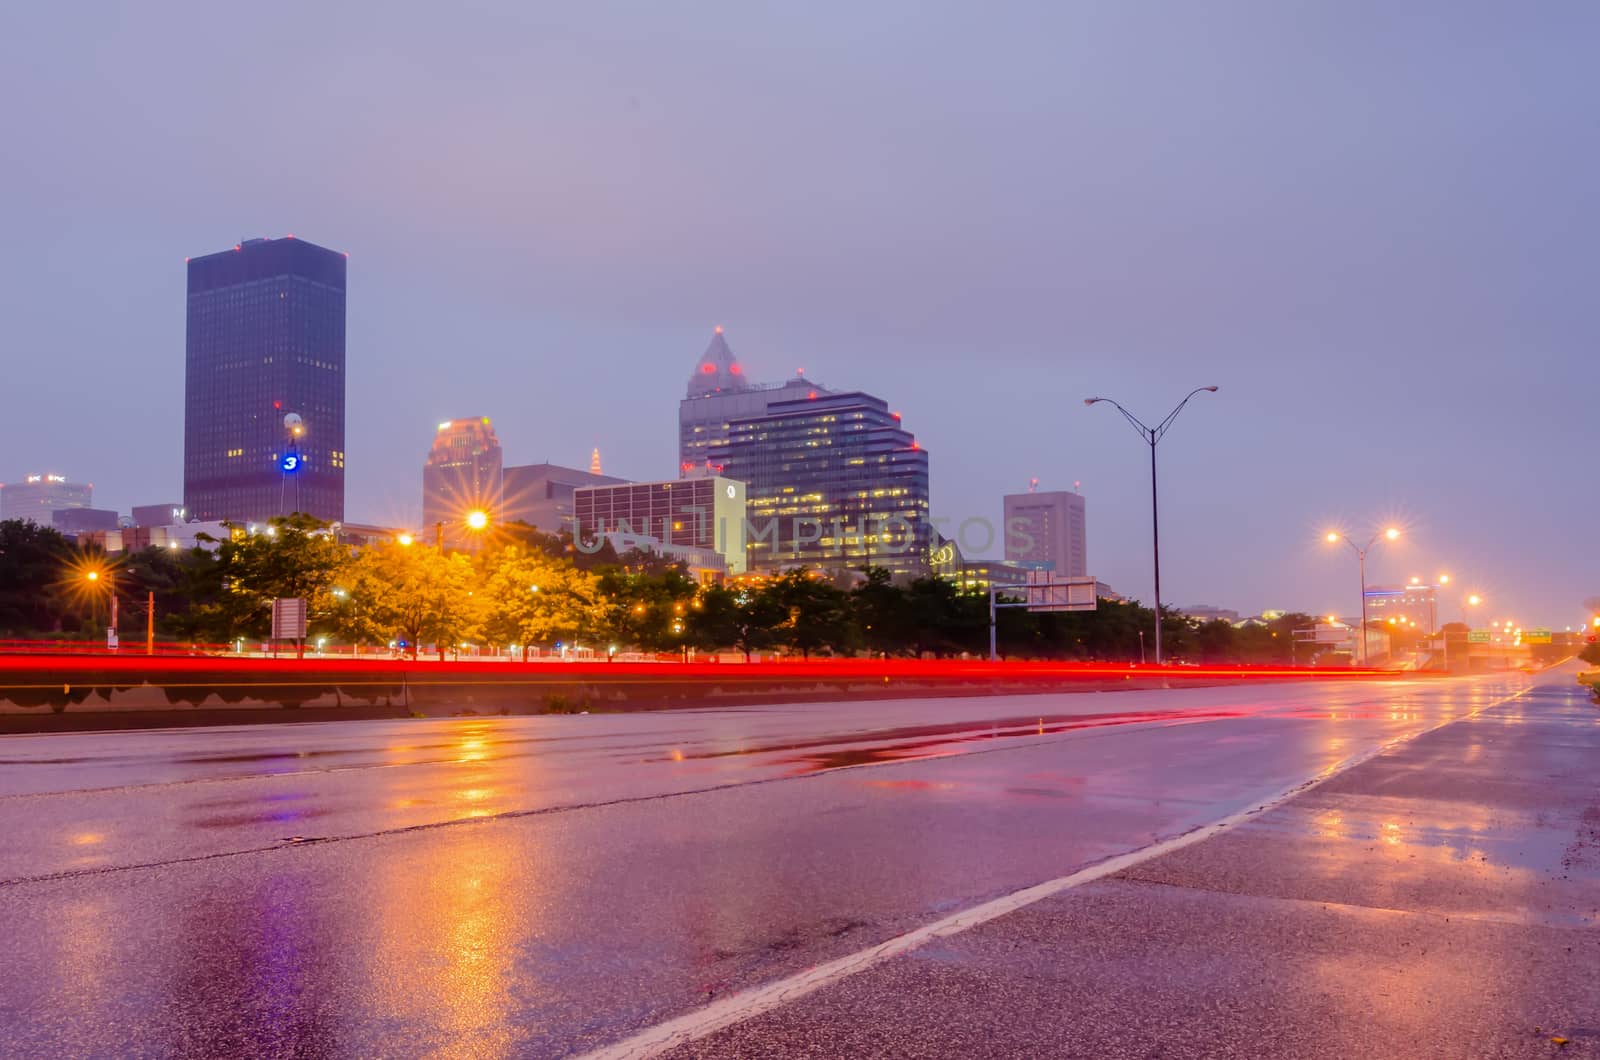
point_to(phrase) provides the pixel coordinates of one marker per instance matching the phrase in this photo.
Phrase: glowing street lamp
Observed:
(477, 519)
(405, 540)
(93, 576)
(1334, 537)
(1152, 436)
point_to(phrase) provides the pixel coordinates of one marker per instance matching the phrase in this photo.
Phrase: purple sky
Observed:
(1372, 225)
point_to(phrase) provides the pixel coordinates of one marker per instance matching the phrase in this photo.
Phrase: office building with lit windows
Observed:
(37, 498)
(463, 473)
(705, 513)
(265, 340)
(832, 481)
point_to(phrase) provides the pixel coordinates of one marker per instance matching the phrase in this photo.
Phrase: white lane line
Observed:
(748, 1004)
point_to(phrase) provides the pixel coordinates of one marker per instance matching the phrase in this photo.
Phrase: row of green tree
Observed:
(526, 591)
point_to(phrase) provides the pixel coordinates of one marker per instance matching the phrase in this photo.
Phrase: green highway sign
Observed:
(1536, 636)
(1478, 636)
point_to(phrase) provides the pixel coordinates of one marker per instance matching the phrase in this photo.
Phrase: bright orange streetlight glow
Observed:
(405, 540)
(1392, 533)
(477, 520)
(1333, 535)
(1474, 600)
(93, 575)
(1444, 579)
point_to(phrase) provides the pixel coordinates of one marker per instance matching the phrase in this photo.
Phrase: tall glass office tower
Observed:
(266, 331)
(832, 481)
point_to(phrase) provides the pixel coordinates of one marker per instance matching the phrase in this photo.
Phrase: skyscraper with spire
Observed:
(718, 393)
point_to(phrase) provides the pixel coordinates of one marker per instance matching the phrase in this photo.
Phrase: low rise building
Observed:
(706, 513)
(72, 521)
(541, 495)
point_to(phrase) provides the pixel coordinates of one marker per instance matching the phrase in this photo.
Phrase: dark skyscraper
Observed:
(265, 340)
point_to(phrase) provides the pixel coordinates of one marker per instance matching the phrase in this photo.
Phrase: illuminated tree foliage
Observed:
(530, 598)
(536, 591)
(411, 595)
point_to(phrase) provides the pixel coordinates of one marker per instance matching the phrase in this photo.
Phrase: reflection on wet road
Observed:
(505, 886)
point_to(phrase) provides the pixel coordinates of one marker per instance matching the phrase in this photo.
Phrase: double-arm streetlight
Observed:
(1152, 436)
(1334, 537)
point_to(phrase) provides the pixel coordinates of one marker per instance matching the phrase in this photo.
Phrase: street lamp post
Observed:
(111, 615)
(1152, 436)
(1335, 537)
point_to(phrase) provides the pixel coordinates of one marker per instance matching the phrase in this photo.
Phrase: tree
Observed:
(295, 557)
(529, 598)
(744, 619)
(818, 613)
(645, 609)
(414, 594)
(34, 562)
(883, 613)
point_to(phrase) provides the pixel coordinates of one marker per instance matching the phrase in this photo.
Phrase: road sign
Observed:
(289, 619)
(1536, 636)
(1053, 592)
(1479, 636)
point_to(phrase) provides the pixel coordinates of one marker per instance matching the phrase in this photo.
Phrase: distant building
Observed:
(1404, 603)
(832, 481)
(706, 514)
(462, 473)
(1208, 613)
(1047, 530)
(82, 520)
(181, 536)
(718, 393)
(541, 494)
(702, 564)
(946, 561)
(265, 339)
(362, 535)
(37, 498)
(159, 514)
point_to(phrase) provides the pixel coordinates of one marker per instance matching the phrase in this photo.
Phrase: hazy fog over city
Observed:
(1371, 226)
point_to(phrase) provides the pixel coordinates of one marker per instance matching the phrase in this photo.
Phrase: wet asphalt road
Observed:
(547, 886)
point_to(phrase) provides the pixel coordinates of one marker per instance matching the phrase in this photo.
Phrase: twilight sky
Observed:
(1371, 224)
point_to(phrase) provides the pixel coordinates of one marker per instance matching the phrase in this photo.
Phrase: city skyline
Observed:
(1372, 315)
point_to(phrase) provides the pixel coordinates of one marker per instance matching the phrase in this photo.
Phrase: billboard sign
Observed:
(1050, 592)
